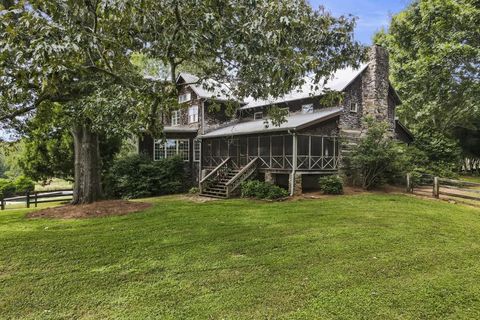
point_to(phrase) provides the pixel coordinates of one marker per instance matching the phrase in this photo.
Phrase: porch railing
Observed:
(216, 175)
(241, 176)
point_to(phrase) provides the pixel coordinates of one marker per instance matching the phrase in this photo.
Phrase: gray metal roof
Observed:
(175, 129)
(294, 122)
(208, 89)
(211, 89)
(337, 82)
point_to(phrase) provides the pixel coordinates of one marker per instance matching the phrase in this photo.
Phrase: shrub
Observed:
(136, 176)
(331, 185)
(262, 190)
(376, 159)
(7, 188)
(194, 190)
(23, 185)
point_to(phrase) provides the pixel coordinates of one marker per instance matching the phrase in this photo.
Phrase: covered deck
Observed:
(295, 149)
(279, 153)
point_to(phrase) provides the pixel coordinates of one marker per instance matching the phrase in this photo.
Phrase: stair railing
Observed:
(241, 176)
(215, 175)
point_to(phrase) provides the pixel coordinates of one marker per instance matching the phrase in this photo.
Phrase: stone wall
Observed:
(353, 94)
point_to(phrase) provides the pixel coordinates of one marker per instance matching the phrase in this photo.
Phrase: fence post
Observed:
(436, 188)
(36, 198)
(409, 189)
(28, 199)
(2, 203)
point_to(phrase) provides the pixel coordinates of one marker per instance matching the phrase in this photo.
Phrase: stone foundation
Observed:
(269, 178)
(297, 184)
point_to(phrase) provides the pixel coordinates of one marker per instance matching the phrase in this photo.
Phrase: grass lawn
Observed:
(475, 179)
(351, 257)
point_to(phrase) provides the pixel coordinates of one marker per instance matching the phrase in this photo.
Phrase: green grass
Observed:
(349, 257)
(475, 179)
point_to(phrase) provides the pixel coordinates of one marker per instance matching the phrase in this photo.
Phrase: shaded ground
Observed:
(367, 256)
(97, 209)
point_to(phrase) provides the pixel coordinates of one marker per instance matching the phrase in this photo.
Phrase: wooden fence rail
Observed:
(448, 187)
(38, 197)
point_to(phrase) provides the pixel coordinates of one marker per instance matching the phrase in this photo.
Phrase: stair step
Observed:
(218, 194)
(217, 189)
(204, 194)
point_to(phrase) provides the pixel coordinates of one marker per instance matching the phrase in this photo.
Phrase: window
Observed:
(184, 97)
(171, 148)
(176, 118)
(258, 115)
(307, 108)
(353, 106)
(193, 114)
(196, 150)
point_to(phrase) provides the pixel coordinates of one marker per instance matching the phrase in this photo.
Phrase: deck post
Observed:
(294, 165)
(309, 152)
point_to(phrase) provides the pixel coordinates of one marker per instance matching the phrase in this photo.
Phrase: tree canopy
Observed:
(435, 62)
(82, 57)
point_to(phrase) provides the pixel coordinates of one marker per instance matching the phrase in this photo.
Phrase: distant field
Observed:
(56, 184)
(475, 179)
(346, 257)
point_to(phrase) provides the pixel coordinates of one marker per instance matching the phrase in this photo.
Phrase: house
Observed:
(221, 151)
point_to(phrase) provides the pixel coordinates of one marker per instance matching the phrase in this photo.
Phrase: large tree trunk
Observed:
(87, 187)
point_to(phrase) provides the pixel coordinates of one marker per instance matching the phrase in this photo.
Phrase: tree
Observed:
(77, 56)
(434, 48)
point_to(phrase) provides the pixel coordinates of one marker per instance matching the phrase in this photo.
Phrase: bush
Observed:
(376, 159)
(331, 185)
(23, 185)
(136, 176)
(262, 190)
(7, 188)
(194, 190)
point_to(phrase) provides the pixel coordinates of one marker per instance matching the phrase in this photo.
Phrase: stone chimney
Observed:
(376, 85)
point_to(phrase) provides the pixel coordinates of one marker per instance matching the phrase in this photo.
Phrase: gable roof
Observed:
(294, 122)
(206, 89)
(338, 82)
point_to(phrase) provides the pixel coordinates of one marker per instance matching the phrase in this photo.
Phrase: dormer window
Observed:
(176, 118)
(258, 115)
(353, 107)
(184, 97)
(307, 108)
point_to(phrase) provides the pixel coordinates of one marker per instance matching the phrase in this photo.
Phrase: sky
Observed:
(372, 14)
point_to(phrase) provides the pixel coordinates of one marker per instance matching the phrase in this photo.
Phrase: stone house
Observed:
(221, 151)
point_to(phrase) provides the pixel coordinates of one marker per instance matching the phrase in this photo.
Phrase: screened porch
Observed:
(274, 152)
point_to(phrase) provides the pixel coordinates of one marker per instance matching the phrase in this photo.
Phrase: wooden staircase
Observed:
(219, 189)
(225, 179)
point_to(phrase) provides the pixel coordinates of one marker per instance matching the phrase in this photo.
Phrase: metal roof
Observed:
(211, 89)
(337, 82)
(207, 89)
(175, 129)
(294, 122)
